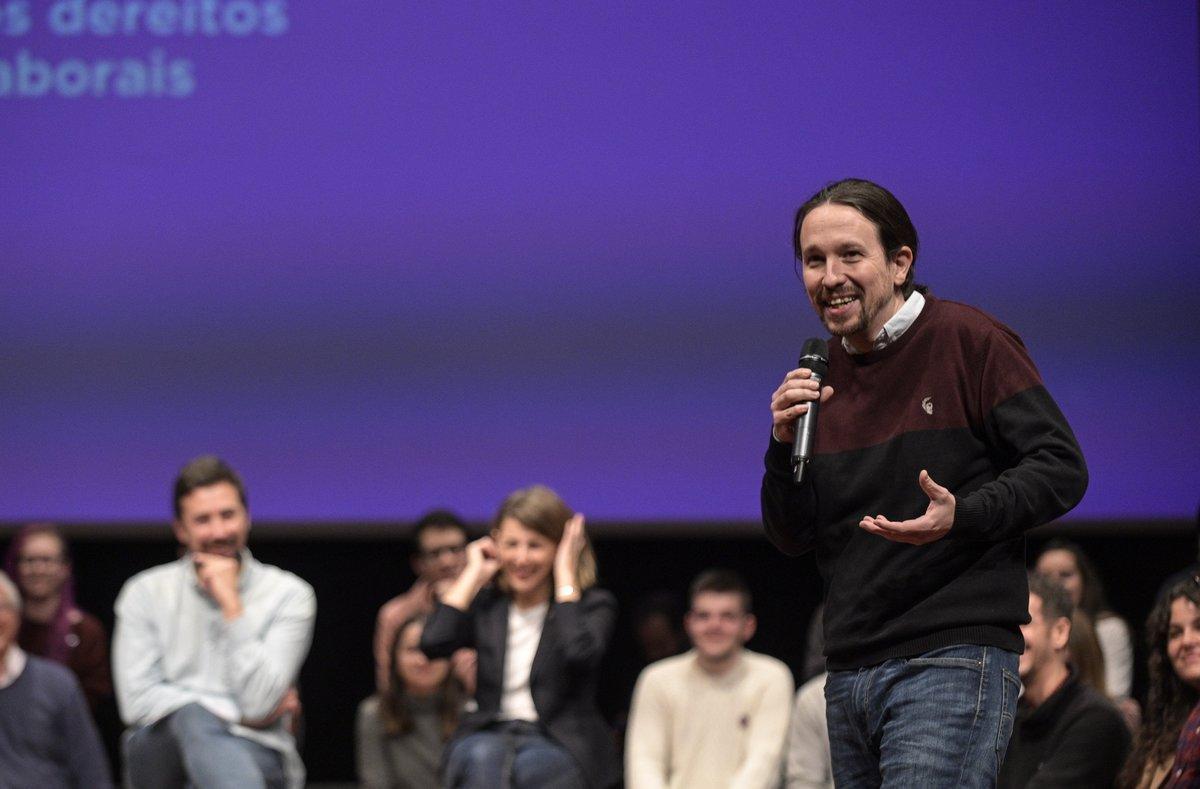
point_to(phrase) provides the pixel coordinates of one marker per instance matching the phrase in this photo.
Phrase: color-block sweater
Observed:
(957, 395)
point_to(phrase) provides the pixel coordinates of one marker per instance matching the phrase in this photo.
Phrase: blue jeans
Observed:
(514, 754)
(941, 719)
(193, 747)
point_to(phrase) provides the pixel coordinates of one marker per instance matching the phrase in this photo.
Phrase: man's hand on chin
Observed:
(218, 575)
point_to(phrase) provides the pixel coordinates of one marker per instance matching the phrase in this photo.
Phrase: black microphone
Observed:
(813, 356)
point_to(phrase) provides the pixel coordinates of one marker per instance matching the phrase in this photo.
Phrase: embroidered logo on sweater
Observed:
(927, 404)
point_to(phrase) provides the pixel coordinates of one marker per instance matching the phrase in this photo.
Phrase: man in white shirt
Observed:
(207, 649)
(717, 715)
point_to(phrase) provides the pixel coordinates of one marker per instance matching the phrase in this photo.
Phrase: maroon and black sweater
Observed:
(958, 395)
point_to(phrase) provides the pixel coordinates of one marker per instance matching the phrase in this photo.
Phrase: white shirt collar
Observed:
(14, 664)
(896, 325)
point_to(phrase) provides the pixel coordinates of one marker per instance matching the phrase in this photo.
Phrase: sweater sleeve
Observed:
(1044, 474)
(788, 509)
(262, 666)
(647, 747)
(144, 694)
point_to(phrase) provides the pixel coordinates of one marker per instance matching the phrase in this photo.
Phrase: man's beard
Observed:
(853, 326)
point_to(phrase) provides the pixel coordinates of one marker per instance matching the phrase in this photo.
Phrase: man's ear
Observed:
(180, 532)
(902, 260)
(749, 628)
(1060, 633)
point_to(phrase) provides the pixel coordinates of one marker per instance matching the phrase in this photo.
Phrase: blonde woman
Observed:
(528, 604)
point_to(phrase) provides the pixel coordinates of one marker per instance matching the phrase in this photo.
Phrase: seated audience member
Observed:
(400, 733)
(540, 631)
(658, 626)
(52, 626)
(1065, 562)
(1066, 734)
(1083, 652)
(717, 715)
(207, 649)
(809, 765)
(1166, 751)
(47, 737)
(441, 544)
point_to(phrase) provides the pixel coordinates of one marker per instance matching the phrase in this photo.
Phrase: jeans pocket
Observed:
(960, 656)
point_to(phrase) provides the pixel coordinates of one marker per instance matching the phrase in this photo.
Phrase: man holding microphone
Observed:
(937, 447)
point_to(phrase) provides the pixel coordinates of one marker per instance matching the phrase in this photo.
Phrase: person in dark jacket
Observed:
(527, 603)
(1066, 734)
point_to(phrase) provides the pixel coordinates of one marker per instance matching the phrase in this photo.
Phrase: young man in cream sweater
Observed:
(717, 715)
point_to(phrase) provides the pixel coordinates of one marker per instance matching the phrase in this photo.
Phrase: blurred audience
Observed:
(207, 650)
(400, 733)
(1083, 651)
(440, 555)
(658, 626)
(47, 737)
(52, 626)
(717, 715)
(809, 765)
(1065, 562)
(1065, 734)
(1166, 751)
(814, 645)
(540, 630)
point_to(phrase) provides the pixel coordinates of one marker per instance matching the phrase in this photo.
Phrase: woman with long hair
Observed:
(528, 604)
(1165, 751)
(1065, 562)
(52, 626)
(400, 733)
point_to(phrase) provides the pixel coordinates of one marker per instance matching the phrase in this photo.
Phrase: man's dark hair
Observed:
(204, 471)
(880, 207)
(1056, 602)
(721, 581)
(438, 519)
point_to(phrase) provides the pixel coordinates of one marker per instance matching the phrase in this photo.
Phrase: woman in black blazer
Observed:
(526, 602)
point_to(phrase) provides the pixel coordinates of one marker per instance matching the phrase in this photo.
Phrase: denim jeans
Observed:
(941, 719)
(511, 754)
(193, 747)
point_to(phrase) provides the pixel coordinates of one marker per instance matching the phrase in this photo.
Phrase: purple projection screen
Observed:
(384, 256)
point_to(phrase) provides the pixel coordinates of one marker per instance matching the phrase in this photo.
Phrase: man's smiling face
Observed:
(851, 282)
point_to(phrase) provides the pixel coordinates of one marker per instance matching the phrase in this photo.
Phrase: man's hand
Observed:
(790, 401)
(219, 577)
(933, 525)
(288, 705)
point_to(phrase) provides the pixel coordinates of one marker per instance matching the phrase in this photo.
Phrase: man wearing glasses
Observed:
(441, 538)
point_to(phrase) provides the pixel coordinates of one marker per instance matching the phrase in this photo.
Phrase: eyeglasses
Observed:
(39, 561)
(437, 553)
